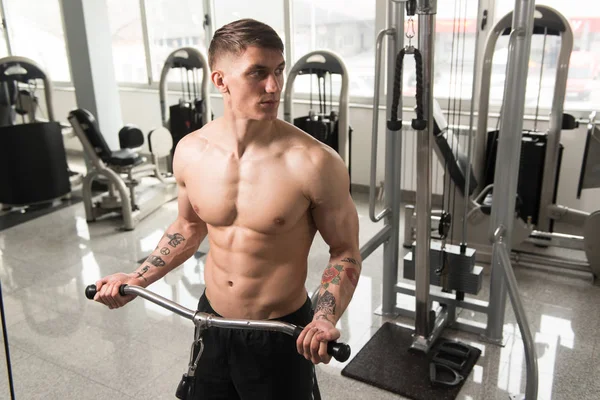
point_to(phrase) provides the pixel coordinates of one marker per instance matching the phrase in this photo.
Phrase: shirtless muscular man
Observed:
(260, 188)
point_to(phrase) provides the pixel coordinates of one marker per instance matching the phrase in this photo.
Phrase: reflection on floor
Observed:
(66, 347)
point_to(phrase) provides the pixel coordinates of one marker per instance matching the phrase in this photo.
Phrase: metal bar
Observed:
(217, 322)
(509, 150)
(556, 239)
(476, 328)
(426, 10)
(484, 100)
(5, 27)
(471, 118)
(556, 116)
(6, 348)
(503, 262)
(475, 305)
(146, 41)
(161, 301)
(207, 320)
(424, 343)
(375, 126)
(288, 15)
(209, 21)
(505, 183)
(376, 241)
(461, 324)
(565, 214)
(533, 259)
(392, 165)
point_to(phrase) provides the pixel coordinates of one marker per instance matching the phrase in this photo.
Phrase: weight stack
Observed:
(531, 171)
(464, 276)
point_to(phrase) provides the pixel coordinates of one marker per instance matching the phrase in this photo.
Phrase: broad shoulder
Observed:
(302, 147)
(191, 148)
(318, 166)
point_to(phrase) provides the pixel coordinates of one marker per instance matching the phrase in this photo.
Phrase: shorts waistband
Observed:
(301, 314)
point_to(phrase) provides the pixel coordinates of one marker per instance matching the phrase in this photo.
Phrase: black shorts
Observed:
(249, 365)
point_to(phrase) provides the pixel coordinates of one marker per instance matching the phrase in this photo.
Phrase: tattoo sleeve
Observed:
(142, 272)
(332, 275)
(156, 259)
(175, 239)
(326, 305)
(337, 285)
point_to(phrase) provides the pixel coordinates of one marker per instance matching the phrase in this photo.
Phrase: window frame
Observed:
(288, 18)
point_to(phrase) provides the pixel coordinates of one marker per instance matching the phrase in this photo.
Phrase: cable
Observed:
(310, 74)
(462, 69)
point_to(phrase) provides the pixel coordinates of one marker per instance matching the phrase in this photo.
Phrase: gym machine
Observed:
(33, 162)
(193, 109)
(322, 125)
(590, 179)
(458, 262)
(536, 208)
(123, 171)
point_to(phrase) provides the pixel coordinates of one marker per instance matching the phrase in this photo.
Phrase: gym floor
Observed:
(64, 346)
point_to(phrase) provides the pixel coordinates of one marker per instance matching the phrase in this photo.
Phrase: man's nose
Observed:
(273, 84)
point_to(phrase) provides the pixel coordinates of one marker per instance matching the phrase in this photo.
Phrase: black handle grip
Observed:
(339, 351)
(90, 291)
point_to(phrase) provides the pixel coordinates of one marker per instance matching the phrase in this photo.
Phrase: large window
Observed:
(346, 27)
(129, 56)
(268, 11)
(172, 25)
(584, 68)
(36, 31)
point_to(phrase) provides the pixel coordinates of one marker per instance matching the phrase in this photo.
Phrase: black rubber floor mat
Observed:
(387, 363)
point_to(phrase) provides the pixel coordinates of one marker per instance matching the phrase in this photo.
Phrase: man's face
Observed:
(253, 81)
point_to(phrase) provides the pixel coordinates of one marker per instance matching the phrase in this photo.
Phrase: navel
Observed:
(230, 283)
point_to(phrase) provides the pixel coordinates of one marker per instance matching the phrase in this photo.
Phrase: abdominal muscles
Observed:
(256, 275)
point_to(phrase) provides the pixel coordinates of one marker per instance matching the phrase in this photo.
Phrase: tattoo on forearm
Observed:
(143, 272)
(165, 251)
(331, 276)
(351, 260)
(326, 304)
(156, 261)
(175, 239)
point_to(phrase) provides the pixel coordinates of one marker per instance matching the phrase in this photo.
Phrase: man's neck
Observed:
(244, 133)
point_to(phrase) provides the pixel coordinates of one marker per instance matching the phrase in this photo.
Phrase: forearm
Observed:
(180, 241)
(337, 285)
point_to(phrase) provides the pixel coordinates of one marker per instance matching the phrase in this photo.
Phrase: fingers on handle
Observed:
(300, 342)
(323, 355)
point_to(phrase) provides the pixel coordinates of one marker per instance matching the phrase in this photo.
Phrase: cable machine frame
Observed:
(429, 324)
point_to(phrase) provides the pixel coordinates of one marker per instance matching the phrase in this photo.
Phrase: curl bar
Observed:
(339, 351)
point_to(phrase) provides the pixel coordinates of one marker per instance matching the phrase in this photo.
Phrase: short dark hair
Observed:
(238, 35)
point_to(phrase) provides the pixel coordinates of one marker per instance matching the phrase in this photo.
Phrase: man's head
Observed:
(246, 60)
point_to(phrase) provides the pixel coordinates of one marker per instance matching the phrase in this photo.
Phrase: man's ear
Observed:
(218, 80)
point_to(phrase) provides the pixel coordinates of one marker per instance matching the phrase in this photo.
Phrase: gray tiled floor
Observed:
(65, 347)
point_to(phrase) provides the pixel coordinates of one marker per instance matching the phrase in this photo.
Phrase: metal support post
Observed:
(393, 163)
(505, 189)
(509, 150)
(426, 10)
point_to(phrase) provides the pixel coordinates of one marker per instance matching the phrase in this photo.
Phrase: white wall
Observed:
(141, 107)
